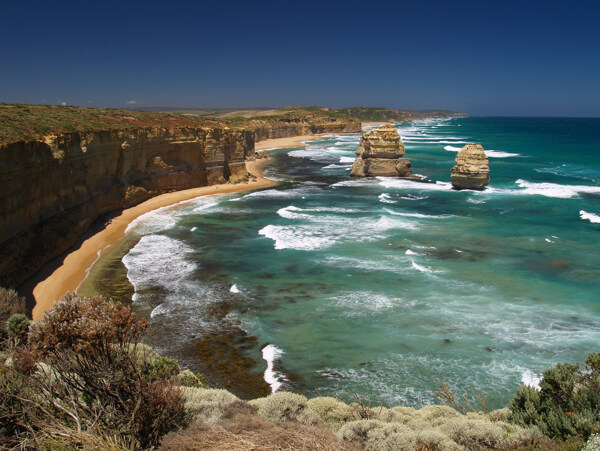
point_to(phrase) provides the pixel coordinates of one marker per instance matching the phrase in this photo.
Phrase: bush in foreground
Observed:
(81, 373)
(567, 404)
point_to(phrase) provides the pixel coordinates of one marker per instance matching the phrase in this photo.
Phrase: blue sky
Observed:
(482, 57)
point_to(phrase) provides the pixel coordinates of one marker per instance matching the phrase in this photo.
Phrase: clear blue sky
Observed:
(483, 57)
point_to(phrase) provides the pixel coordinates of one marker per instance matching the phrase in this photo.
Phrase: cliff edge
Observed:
(53, 186)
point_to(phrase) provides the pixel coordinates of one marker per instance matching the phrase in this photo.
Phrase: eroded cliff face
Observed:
(52, 190)
(265, 129)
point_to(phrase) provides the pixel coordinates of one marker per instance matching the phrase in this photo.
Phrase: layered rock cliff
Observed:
(54, 187)
(472, 170)
(381, 153)
(284, 128)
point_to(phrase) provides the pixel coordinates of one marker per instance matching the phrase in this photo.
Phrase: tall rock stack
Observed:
(472, 170)
(381, 153)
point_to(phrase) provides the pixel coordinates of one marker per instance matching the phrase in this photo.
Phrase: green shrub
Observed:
(164, 368)
(358, 431)
(390, 437)
(568, 403)
(10, 303)
(285, 406)
(206, 404)
(331, 411)
(90, 346)
(437, 440)
(17, 327)
(189, 379)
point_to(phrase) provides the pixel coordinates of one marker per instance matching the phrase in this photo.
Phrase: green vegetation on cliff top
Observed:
(32, 122)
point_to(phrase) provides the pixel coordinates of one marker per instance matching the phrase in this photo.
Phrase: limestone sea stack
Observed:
(472, 170)
(381, 153)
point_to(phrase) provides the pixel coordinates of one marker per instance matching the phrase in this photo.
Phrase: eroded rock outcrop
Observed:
(381, 153)
(472, 170)
(53, 189)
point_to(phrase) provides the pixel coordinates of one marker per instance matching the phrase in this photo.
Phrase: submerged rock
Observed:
(381, 153)
(472, 170)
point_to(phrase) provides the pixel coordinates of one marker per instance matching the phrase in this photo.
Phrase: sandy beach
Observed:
(75, 267)
(282, 143)
(368, 124)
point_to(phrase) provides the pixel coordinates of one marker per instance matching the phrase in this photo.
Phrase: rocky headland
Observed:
(381, 153)
(64, 168)
(472, 170)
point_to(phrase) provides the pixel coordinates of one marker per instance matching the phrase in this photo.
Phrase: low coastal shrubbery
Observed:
(80, 379)
(567, 404)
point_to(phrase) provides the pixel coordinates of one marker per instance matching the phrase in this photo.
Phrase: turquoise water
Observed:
(381, 286)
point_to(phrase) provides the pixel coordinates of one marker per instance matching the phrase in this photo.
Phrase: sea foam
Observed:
(555, 189)
(270, 353)
(589, 217)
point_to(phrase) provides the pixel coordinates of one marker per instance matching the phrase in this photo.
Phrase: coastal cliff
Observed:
(266, 129)
(53, 187)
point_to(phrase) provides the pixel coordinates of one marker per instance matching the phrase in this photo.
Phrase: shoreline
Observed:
(75, 267)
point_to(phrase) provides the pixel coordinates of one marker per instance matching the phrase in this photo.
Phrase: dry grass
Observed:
(241, 429)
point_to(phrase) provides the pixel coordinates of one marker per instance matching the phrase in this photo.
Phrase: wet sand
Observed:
(74, 269)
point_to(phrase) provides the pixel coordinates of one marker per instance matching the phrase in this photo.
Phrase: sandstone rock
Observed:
(472, 170)
(53, 189)
(381, 153)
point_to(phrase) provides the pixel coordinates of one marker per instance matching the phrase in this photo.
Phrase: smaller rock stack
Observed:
(381, 153)
(472, 170)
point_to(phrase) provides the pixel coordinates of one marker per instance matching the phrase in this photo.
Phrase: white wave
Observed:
(296, 238)
(416, 215)
(157, 260)
(452, 142)
(390, 182)
(204, 207)
(193, 229)
(385, 198)
(234, 289)
(594, 218)
(323, 231)
(292, 212)
(531, 379)
(271, 353)
(153, 221)
(347, 159)
(500, 154)
(452, 148)
(548, 240)
(555, 189)
(413, 197)
(421, 268)
(165, 218)
(409, 252)
(475, 201)
(335, 166)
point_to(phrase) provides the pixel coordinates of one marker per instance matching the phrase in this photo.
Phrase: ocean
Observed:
(380, 288)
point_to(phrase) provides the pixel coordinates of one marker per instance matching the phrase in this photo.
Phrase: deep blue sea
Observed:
(382, 286)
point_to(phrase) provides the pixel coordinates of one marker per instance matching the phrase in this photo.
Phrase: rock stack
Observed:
(472, 170)
(381, 153)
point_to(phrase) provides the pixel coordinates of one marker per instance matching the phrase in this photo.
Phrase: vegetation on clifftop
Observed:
(80, 379)
(33, 122)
